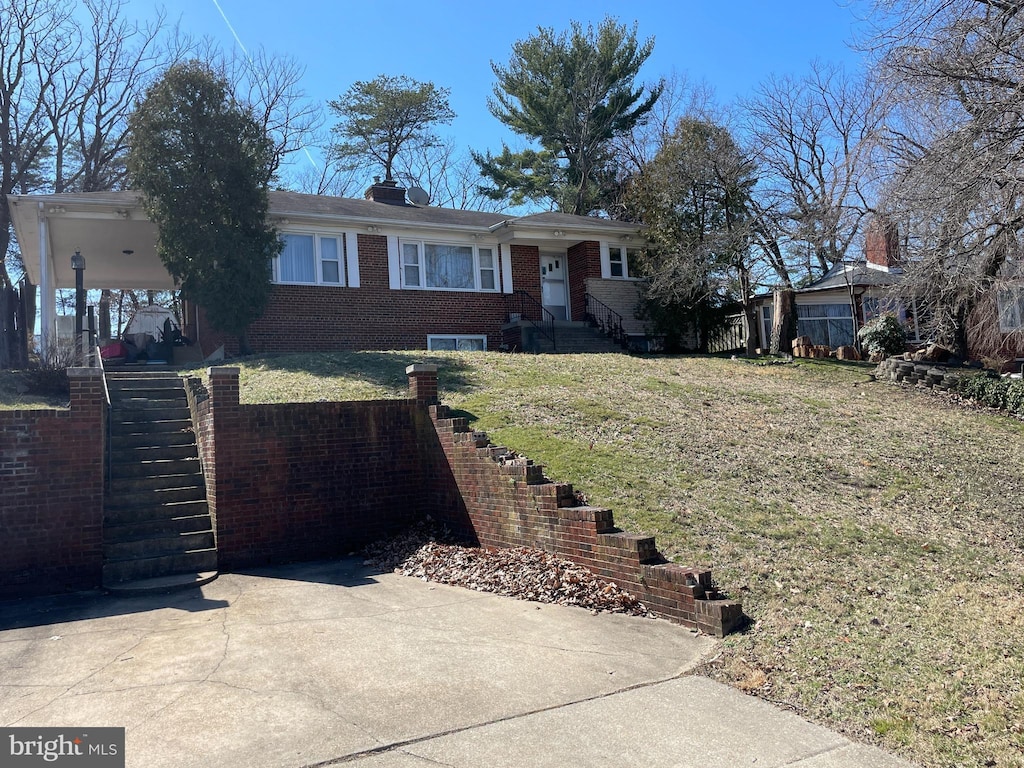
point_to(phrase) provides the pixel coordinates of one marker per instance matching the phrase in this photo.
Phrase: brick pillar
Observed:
(223, 387)
(422, 383)
(87, 391)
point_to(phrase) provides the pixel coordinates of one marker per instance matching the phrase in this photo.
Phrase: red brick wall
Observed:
(51, 505)
(504, 501)
(301, 481)
(304, 318)
(584, 260)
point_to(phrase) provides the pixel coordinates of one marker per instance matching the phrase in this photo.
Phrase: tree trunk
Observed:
(750, 328)
(783, 321)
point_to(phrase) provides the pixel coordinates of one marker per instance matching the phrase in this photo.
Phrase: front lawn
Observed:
(873, 534)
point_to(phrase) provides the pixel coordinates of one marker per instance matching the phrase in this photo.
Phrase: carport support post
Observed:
(422, 383)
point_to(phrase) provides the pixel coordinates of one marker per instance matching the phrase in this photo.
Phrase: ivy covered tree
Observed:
(380, 118)
(572, 93)
(203, 165)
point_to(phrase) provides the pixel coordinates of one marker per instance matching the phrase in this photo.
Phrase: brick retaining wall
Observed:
(504, 500)
(51, 503)
(300, 481)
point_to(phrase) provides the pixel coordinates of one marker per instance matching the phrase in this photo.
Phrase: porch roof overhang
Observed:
(109, 229)
(559, 231)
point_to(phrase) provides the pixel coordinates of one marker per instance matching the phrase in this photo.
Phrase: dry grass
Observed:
(16, 392)
(873, 534)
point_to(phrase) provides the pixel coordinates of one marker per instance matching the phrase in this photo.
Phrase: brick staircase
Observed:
(571, 338)
(157, 530)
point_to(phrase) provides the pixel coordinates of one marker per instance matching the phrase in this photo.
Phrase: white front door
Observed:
(552, 285)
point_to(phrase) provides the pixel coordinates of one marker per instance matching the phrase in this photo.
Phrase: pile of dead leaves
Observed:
(523, 573)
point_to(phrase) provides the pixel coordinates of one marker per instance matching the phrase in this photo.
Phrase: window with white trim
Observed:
(624, 262)
(310, 258)
(448, 266)
(459, 342)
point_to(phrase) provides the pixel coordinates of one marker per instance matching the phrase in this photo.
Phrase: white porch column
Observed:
(47, 292)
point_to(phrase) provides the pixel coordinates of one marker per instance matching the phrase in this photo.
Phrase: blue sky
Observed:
(731, 45)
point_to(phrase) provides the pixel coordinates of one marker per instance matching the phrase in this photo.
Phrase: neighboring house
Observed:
(861, 290)
(378, 273)
(826, 308)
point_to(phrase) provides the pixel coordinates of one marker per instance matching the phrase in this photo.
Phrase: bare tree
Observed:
(957, 190)
(815, 139)
(450, 176)
(269, 87)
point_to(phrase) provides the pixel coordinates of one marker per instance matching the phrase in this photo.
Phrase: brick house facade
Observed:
(376, 273)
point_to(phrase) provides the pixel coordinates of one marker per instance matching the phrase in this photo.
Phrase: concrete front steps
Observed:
(157, 530)
(571, 338)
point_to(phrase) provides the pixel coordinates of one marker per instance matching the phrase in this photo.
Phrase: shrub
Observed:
(994, 391)
(884, 336)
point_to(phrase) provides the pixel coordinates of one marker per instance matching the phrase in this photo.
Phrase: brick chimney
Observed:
(881, 244)
(386, 191)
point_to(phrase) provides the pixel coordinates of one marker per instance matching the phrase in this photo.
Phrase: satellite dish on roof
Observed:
(418, 196)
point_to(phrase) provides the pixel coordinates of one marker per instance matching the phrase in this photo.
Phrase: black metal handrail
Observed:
(605, 319)
(524, 306)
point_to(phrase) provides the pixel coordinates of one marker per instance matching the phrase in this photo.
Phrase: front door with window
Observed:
(552, 284)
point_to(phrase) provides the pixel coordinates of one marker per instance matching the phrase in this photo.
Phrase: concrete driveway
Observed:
(331, 663)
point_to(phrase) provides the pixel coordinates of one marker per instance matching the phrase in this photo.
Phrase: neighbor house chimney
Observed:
(386, 191)
(881, 244)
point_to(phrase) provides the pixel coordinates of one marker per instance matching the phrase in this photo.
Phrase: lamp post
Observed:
(78, 264)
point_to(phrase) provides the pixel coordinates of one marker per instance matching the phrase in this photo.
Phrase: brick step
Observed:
(115, 571)
(158, 410)
(144, 382)
(162, 525)
(183, 436)
(122, 395)
(157, 467)
(154, 491)
(147, 511)
(146, 427)
(158, 546)
(157, 450)
(160, 584)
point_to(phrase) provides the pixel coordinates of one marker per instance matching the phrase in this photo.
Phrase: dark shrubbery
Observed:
(995, 392)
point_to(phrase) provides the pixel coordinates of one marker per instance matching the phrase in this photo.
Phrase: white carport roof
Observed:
(102, 226)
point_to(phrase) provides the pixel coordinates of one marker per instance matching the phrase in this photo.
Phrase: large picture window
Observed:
(826, 324)
(448, 266)
(310, 259)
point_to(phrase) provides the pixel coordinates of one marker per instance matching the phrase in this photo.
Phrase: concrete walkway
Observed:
(330, 663)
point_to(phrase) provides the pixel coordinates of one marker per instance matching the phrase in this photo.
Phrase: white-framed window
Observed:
(310, 258)
(624, 262)
(458, 341)
(448, 266)
(1010, 302)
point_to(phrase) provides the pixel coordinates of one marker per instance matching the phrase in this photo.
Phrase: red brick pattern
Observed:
(303, 318)
(584, 261)
(301, 481)
(51, 506)
(506, 501)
